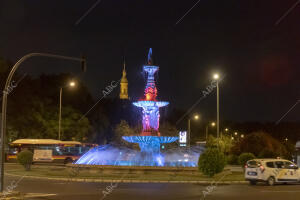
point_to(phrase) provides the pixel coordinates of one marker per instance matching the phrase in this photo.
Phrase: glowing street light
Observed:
(226, 129)
(242, 136)
(216, 77)
(235, 133)
(196, 117)
(212, 124)
(71, 84)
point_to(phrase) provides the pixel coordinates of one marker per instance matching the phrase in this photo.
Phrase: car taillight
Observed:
(262, 169)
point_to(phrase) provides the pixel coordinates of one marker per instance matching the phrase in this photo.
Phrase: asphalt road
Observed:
(62, 190)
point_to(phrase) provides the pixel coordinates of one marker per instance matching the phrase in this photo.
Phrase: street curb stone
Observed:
(132, 181)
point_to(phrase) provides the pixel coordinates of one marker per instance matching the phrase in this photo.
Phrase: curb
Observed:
(129, 180)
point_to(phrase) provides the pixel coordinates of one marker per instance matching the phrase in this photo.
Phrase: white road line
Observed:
(38, 195)
(280, 191)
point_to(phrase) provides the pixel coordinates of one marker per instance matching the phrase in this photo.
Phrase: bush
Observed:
(233, 159)
(25, 158)
(244, 157)
(256, 142)
(212, 161)
(267, 154)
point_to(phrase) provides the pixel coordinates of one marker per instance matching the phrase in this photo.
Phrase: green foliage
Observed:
(212, 161)
(122, 129)
(25, 158)
(258, 142)
(33, 108)
(266, 153)
(232, 159)
(224, 143)
(290, 149)
(244, 157)
(40, 120)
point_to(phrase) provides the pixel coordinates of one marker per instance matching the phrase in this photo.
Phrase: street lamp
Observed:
(71, 84)
(226, 129)
(4, 100)
(196, 117)
(235, 133)
(216, 77)
(213, 124)
(242, 136)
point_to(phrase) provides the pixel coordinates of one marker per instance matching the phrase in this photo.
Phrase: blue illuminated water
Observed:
(122, 156)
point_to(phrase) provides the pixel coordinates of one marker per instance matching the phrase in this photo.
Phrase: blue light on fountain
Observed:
(149, 140)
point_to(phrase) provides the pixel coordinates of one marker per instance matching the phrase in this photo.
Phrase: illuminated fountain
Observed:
(149, 140)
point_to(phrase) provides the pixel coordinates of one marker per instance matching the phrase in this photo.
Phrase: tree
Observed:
(40, 120)
(212, 161)
(244, 157)
(224, 143)
(32, 110)
(122, 129)
(258, 142)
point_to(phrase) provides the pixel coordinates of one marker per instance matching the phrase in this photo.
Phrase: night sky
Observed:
(239, 39)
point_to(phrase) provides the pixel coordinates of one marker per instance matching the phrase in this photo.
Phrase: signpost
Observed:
(182, 138)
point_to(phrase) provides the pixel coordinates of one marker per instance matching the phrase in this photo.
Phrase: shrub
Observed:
(256, 142)
(265, 153)
(25, 158)
(244, 157)
(233, 159)
(212, 161)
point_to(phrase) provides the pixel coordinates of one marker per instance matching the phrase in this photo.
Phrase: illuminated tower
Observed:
(124, 85)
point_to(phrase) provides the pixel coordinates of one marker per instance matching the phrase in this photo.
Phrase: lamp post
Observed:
(4, 100)
(196, 117)
(216, 77)
(71, 84)
(213, 124)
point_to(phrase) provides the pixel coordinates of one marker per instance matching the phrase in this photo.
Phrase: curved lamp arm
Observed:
(4, 100)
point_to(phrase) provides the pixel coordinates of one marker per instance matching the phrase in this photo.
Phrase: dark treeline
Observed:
(33, 106)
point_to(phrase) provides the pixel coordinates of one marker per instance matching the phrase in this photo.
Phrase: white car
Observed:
(271, 171)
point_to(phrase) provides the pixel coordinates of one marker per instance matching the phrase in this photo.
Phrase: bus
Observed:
(48, 150)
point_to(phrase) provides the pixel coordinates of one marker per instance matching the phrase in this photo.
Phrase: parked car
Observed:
(271, 171)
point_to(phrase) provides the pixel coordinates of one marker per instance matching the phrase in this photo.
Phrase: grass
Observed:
(63, 172)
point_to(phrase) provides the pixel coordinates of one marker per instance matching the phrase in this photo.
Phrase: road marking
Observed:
(281, 191)
(38, 195)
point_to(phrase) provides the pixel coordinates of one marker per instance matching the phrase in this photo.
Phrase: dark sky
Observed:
(237, 38)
